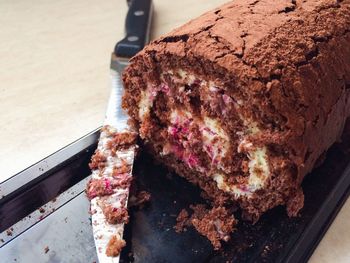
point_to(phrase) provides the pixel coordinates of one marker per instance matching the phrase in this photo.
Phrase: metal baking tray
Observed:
(44, 214)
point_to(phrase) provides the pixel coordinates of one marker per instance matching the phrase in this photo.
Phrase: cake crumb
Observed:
(216, 224)
(140, 199)
(46, 249)
(123, 139)
(131, 256)
(182, 221)
(98, 161)
(99, 187)
(41, 210)
(123, 168)
(93, 211)
(9, 232)
(115, 215)
(114, 246)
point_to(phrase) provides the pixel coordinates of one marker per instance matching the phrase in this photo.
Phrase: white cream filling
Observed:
(215, 126)
(145, 103)
(183, 75)
(259, 168)
(179, 116)
(252, 127)
(219, 141)
(213, 136)
(259, 171)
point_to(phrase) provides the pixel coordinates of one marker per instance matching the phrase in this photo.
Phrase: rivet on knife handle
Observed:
(137, 26)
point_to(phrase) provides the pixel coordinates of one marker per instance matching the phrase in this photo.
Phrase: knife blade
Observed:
(113, 161)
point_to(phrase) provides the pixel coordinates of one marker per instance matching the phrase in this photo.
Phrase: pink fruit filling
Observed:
(193, 138)
(180, 145)
(99, 187)
(185, 134)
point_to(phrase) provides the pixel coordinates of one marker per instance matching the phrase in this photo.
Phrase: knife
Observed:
(113, 160)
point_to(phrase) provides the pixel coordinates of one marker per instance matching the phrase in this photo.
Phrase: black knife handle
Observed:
(137, 26)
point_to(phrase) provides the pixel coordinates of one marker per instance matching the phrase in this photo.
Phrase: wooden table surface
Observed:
(54, 81)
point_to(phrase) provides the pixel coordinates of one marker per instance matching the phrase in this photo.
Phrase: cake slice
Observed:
(243, 100)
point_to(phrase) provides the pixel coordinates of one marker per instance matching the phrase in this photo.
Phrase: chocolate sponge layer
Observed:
(244, 99)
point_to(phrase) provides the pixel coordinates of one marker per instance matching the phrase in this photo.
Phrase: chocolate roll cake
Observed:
(243, 100)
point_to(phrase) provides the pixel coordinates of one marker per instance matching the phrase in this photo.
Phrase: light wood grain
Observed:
(54, 59)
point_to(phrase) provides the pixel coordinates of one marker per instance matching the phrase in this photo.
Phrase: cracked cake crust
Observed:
(287, 61)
